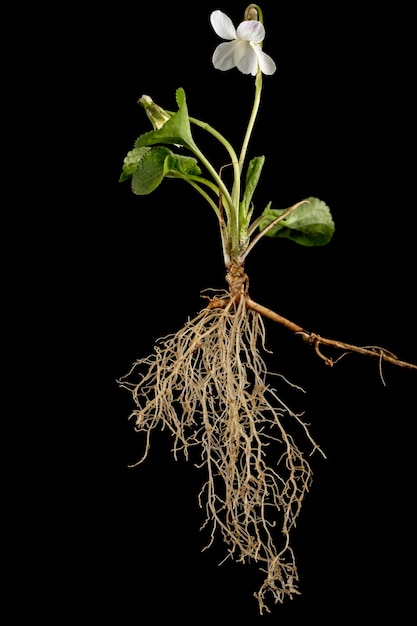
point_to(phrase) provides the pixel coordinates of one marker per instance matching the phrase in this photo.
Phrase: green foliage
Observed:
(176, 130)
(310, 224)
(252, 177)
(151, 160)
(156, 164)
(149, 171)
(131, 162)
(180, 165)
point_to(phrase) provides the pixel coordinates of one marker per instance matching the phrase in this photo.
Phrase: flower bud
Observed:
(156, 114)
(251, 12)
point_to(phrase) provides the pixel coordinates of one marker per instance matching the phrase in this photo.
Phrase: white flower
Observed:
(243, 50)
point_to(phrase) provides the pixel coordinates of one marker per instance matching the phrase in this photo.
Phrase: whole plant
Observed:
(208, 383)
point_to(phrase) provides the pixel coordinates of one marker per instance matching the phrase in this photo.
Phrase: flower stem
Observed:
(255, 108)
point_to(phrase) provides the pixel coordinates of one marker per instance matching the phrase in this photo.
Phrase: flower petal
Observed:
(251, 30)
(223, 25)
(266, 63)
(224, 55)
(246, 59)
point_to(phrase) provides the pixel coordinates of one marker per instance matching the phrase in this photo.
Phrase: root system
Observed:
(209, 385)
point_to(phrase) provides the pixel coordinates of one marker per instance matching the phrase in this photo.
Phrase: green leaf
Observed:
(156, 164)
(131, 162)
(180, 164)
(309, 224)
(150, 171)
(176, 130)
(252, 178)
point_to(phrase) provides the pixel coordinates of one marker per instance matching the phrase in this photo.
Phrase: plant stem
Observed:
(223, 232)
(233, 216)
(196, 182)
(255, 108)
(218, 136)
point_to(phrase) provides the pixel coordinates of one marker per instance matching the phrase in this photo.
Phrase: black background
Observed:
(336, 122)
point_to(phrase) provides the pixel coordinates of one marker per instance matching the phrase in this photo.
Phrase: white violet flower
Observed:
(243, 50)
